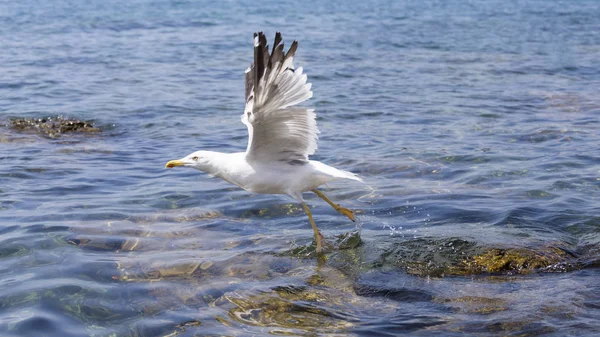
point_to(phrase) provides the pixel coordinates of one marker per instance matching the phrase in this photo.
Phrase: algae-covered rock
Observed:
(519, 260)
(426, 256)
(52, 127)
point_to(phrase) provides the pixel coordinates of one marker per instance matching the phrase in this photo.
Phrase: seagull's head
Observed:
(198, 160)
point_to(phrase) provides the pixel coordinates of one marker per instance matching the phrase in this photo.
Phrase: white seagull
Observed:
(281, 135)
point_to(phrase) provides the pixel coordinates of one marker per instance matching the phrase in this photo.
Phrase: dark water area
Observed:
(474, 124)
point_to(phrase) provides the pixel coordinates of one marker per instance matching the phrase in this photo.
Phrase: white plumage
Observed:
(281, 135)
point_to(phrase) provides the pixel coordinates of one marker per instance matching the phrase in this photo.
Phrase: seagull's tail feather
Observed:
(272, 82)
(334, 172)
(350, 175)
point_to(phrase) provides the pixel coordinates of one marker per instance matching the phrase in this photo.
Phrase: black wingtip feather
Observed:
(292, 50)
(259, 61)
(263, 61)
(276, 42)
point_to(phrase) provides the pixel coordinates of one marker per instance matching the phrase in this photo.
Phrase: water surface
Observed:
(475, 126)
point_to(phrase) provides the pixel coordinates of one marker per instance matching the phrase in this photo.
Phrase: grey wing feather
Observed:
(249, 82)
(286, 135)
(278, 131)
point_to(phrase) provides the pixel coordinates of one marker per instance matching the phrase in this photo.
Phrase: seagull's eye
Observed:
(195, 158)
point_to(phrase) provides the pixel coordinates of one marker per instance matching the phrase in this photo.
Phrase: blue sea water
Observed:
(473, 123)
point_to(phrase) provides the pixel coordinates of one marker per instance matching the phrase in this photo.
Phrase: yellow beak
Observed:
(174, 163)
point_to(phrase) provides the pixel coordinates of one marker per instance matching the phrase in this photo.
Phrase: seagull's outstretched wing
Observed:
(278, 130)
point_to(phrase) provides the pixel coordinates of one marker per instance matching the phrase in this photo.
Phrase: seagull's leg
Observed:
(337, 207)
(318, 236)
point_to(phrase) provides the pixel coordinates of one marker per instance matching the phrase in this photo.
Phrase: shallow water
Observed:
(474, 125)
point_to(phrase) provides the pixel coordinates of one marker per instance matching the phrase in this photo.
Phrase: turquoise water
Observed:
(474, 124)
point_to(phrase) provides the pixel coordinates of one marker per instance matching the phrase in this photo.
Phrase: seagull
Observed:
(281, 135)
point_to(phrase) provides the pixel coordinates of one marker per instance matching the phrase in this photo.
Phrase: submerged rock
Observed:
(176, 215)
(344, 241)
(289, 310)
(52, 127)
(345, 293)
(458, 257)
(475, 304)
